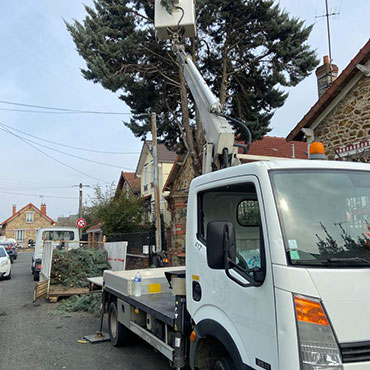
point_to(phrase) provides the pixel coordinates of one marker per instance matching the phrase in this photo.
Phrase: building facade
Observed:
(22, 225)
(145, 171)
(340, 119)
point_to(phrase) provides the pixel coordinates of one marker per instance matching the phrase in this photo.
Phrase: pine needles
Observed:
(86, 303)
(72, 268)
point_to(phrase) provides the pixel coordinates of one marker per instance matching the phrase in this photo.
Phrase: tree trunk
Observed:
(223, 87)
(193, 152)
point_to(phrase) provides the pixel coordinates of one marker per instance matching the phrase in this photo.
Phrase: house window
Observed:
(152, 210)
(153, 175)
(146, 176)
(19, 235)
(29, 217)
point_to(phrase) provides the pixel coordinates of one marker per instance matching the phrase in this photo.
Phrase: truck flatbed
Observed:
(161, 306)
(156, 299)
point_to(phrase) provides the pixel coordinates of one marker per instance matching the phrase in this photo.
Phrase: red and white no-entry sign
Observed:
(81, 222)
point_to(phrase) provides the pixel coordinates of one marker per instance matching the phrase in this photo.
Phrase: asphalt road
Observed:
(35, 336)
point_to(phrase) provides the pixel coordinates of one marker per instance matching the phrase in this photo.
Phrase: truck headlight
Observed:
(317, 345)
(4, 263)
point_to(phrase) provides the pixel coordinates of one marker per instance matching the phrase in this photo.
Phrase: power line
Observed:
(54, 159)
(68, 146)
(61, 109)
(71, 155)
(35, 111)
(37, 195)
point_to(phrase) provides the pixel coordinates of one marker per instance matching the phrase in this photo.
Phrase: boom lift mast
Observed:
(219, 150)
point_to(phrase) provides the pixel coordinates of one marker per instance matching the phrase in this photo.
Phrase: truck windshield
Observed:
(58, 235)
(325, 216)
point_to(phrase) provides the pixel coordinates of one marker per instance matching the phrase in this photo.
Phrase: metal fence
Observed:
(140, 244)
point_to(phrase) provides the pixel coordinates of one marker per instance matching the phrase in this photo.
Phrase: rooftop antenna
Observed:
(328, 15)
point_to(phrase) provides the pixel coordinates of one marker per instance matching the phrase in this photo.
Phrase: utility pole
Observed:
(157, 199)
(80, 203)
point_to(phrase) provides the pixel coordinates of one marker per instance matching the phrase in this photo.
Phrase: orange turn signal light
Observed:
(310, 311)
(317, 148)
(193, 336)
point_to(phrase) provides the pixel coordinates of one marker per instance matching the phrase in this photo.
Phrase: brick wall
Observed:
(177, 204)
(349, 121)
(176, 245)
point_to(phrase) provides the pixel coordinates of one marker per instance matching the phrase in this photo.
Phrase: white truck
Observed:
(59, 238)
(277, 271)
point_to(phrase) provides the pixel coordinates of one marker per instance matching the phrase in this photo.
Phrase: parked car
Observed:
(5, 264)
(10, 249)
(14, 247)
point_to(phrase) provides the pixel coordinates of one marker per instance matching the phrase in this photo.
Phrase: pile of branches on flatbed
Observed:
(72, 268)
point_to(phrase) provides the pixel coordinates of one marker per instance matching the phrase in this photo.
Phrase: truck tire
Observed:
(223, 363)
(36, 276)
(118, 333)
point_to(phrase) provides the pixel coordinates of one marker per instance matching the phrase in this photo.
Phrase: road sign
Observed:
(81, 223)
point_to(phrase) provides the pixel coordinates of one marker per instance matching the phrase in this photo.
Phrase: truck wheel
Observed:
(36, 276)
(222, 363)
(119, 334)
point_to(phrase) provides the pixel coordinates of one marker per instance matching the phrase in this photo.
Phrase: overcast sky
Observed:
(40, 66)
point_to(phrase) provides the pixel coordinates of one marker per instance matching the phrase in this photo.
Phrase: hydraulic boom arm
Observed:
(219, 134)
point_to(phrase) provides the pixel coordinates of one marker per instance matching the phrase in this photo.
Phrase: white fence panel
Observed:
(47, 257)
(117, 252)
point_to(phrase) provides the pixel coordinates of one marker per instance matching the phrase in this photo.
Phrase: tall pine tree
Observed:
(247, 51)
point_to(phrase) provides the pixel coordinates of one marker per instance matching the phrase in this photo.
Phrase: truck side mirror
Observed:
(220, 235)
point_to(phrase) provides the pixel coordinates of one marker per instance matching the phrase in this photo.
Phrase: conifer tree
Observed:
(247, 51)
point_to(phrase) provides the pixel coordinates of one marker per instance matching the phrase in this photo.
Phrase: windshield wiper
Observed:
(335, 261)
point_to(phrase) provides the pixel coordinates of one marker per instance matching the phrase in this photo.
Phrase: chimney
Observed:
(43, 209)
(326, 75)
(14, 209)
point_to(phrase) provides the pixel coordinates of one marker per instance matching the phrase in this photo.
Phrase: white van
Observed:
(63, 238)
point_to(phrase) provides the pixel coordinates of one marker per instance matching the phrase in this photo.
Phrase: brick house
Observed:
(22, 225)
(341, 116)
(178, 182)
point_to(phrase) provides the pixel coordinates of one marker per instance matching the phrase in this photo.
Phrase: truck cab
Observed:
(278, 266)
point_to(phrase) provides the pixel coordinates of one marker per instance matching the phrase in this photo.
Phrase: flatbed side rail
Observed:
(155, 342)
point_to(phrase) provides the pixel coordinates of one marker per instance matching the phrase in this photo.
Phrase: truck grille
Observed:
(355, 352)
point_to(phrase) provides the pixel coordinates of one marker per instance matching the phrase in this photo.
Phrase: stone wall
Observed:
(19, 223)
(349, 121)
(177, 204)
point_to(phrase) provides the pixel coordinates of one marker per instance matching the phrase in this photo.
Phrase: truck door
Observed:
(246, 313)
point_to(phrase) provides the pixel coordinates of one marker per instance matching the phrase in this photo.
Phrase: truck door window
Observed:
(239, 205)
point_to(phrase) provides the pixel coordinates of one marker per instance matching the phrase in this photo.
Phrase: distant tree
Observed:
(120, 214)
(247, 50)
(100, 199)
